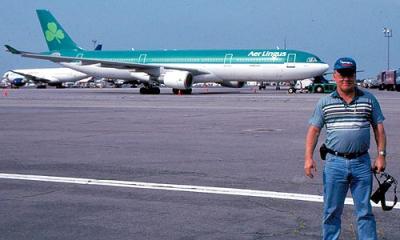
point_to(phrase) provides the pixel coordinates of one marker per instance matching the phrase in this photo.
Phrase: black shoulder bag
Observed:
(379, 194)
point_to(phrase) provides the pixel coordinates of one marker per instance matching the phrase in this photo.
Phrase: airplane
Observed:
(177, 69)
(43, 77)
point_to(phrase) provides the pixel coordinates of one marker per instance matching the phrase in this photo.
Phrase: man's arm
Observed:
(311, 141)
(379, 164)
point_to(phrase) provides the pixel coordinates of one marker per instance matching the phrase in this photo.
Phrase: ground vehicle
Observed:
(301, 85)
(316, 84)
(371, 83)
(389, 80)
(321, 85)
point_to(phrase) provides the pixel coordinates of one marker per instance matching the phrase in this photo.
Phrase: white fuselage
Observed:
(217, 72)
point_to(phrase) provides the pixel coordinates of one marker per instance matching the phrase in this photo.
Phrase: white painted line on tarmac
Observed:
(182, 188)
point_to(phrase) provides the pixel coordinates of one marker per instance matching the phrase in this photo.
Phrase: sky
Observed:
(328, 29)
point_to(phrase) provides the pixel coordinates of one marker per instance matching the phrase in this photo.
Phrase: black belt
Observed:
(346, 155)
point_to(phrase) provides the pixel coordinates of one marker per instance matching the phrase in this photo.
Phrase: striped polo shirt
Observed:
(347, 125)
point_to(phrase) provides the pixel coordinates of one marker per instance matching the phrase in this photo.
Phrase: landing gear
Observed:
(149, 90)
(59, 86)
(262, 85)
(182, 91)
(292, 90)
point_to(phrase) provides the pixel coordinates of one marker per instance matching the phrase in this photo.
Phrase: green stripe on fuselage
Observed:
(256, 56)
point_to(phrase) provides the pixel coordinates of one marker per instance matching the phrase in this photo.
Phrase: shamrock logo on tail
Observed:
(53, 33)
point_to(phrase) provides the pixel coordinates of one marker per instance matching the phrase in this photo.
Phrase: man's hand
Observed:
(379, 164)
(310, 166)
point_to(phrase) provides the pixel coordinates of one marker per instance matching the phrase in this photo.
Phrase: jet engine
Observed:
(178, 79)
(18, 82)
(233, 84)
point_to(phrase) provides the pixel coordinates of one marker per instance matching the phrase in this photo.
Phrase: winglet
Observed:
(12, 50)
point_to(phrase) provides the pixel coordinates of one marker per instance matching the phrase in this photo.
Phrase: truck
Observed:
(313, 85)
(389, 80)
(371, 83)
(321, 85)
(302, 85)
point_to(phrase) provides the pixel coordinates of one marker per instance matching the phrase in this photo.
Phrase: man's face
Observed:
(345, 80)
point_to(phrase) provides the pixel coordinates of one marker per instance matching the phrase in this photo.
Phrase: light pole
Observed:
(388, 35)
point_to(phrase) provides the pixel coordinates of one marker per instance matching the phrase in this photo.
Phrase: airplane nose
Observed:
(323, 67)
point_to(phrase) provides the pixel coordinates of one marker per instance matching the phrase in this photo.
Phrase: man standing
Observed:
(347, 114)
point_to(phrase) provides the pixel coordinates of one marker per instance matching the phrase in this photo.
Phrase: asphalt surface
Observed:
(216, 137)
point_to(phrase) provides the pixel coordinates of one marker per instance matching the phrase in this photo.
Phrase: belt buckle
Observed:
(337, 154)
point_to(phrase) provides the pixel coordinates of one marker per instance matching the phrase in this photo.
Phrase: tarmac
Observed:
(114, 164)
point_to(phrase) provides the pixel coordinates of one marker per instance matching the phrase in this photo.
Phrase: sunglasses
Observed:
(346, 72)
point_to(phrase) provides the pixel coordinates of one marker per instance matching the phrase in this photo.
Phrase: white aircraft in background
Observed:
(43, 76)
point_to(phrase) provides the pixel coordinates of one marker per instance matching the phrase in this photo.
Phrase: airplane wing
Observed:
(147, 68)
(34, 78)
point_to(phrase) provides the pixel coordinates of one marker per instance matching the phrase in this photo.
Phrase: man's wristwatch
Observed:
(382, 153)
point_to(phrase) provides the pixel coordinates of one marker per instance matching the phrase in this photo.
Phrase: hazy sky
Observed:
(329, 29)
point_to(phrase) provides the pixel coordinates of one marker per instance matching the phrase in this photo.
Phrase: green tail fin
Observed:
(56, 37)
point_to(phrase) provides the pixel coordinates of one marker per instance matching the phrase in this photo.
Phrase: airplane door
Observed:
(79, 55)
(142, 58)
(228, 59)
(291, 59)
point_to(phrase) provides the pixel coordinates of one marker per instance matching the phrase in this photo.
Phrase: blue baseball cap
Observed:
(345, 63)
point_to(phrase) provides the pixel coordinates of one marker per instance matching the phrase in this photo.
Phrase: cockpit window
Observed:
(313, 59)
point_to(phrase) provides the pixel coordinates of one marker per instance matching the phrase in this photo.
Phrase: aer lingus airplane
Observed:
(177, 69)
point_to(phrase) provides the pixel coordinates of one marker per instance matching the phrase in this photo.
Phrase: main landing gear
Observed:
(182, 91)
(263, 85)
(291, 90)
(149, 90)
(156, 90)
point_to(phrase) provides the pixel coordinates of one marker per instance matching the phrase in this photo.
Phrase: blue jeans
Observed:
(339, 175)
